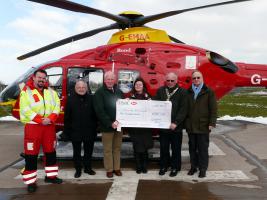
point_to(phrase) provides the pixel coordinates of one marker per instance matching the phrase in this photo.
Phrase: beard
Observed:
(40, 84)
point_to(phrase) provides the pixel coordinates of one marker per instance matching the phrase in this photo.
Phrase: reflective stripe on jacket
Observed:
(34, 106)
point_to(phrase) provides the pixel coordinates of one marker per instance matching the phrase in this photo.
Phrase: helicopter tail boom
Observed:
(251, 75)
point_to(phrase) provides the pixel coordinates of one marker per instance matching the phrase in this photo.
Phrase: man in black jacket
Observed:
(173, 136)
(80, 127)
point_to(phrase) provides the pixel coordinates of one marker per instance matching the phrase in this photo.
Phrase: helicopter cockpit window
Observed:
(93, 77)
(126, 79)
(54, 75)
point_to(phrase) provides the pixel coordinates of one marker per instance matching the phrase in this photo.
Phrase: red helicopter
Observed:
(136, 50)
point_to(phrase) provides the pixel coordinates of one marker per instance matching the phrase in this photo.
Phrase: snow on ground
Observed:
(8, 118)
(260, 120)
(258, 93)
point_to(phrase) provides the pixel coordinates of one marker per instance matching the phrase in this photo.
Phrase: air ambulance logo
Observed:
(133, 103)
(134, 37)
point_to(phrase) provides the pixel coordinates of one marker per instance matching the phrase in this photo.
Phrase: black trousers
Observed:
(88, 146)
(173, 140)
(198, 150)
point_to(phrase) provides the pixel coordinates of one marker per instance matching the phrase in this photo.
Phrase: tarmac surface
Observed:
(237, 170)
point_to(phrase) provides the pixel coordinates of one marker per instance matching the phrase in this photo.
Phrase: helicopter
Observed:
(135, 50)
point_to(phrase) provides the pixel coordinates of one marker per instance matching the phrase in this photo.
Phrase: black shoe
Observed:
(192, 171)
(32, 188)
(89, 171)
(138, 170)
(162, 171)
(53, 180)
(202, 174)
(78, 174)
(144, 170)
(173, 173)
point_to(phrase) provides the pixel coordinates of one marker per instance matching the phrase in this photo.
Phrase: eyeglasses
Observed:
(198, 77)
(170, 81)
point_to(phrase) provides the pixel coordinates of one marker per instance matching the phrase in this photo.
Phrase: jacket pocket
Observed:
(204, 124)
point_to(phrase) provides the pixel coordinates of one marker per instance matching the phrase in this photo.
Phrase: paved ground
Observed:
(237, 170)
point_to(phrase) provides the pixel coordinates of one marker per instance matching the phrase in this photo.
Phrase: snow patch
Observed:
(260, 120)
(8, 118)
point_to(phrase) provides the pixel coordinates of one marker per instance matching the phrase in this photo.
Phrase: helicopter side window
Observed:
(126, 79)
(54, 75)
(93, 77)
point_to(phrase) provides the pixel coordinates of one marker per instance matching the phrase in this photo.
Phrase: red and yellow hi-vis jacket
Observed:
(35, 106)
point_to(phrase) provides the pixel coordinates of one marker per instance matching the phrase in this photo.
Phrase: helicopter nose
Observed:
(9, 95)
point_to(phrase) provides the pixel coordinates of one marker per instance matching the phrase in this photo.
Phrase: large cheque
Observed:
(144, 113)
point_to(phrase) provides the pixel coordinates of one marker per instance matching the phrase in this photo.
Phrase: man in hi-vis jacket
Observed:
(39, 109)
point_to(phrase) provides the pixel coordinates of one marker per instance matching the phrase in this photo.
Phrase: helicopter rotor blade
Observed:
(145, 19)
(69, 40)
(171, 37)
(175, 39)
(75, 7)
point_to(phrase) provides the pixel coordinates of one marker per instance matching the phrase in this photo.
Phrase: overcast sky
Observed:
(237, 31)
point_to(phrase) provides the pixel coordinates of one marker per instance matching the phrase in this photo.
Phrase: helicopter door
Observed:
(54, 75)
(126, 79)
(93, 77)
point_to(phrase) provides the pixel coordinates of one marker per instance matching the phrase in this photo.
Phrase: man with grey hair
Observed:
(105, 106)
(80, 126)
(200, 120)
(172, 136)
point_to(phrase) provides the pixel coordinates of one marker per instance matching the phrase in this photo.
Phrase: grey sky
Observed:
(236, 31)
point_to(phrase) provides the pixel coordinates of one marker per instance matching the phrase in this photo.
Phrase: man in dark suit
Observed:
(80, 127)
(173, 136)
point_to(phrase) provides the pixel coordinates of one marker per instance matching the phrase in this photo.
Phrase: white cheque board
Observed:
(144, 113)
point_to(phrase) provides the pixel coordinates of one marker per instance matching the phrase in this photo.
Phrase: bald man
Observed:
(80, 125)
(172, 136)
(105, 106)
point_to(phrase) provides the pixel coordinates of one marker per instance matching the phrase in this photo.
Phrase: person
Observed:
(140, 137)
(200, 120)
(105, 107)
(173, 136)
(39, 109)
(80, 126)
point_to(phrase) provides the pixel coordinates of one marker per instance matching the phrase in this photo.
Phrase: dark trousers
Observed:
(88, 147)
(198, 150)
(173, 139)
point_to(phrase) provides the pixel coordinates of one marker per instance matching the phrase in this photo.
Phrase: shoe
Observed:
(109, 174)
(162, 171)
(32, 188)
(89, 171)
(202, 174)
(117, 172)
(55, 180)
(78, 174)
(192, 171)
(144, 170)
(138, 170)
(173, 173)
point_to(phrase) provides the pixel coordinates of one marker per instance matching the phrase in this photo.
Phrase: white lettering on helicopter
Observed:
(256, 79)
(137, 36)
(124, 50)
